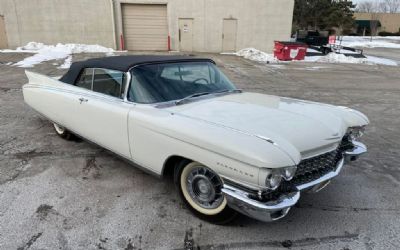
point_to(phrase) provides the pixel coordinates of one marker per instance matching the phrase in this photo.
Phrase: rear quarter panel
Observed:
(49, 97)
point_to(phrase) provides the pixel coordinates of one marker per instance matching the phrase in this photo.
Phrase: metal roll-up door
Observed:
(145, 26)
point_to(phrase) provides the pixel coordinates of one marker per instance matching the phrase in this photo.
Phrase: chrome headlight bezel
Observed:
(274, 177)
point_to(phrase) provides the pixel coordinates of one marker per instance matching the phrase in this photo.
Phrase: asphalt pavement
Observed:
(57, 194)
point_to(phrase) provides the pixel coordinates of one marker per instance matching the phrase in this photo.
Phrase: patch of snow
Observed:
(396, 38)
(278, 66)
(259, 56)
(256, 55)
(67, 63)
(380, 60)
(315, 68)
(227, 53)
(376, 42)
(335, 58)
(340, 58)
(59, 51)
(313, 50)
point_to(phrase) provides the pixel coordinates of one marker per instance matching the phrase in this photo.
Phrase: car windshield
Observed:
(165, 82)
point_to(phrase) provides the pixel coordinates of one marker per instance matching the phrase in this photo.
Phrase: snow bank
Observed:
(380, 60)
(259, 56)
(256, 55)
(67, 63)
(377, 42)
(60, 51)
(335, 58)
(340, 58)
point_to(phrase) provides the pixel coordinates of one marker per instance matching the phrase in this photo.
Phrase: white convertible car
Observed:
(228, 150)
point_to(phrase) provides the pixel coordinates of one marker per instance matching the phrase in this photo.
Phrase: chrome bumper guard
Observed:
(264, 211)
(276, 209)
(353, 154)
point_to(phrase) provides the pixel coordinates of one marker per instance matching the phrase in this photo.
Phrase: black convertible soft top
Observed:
(122, 63)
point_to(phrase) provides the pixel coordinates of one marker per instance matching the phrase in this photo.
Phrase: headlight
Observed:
(273, 179)
(355, 132)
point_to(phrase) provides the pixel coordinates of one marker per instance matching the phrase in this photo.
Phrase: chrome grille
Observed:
(311, 169)
(316, 167)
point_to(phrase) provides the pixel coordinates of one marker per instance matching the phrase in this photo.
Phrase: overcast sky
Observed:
(358, 1)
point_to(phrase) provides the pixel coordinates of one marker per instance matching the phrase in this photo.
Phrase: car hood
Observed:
(300, 128)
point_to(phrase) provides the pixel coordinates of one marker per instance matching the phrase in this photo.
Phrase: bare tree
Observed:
(366, 6)
(392, 6)
(374, 23)
(373, 8)
(383, 6)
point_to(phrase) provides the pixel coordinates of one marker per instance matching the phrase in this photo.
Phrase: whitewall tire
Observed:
(200, 189)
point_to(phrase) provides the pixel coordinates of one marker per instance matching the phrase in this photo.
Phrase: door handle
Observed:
(82, 100)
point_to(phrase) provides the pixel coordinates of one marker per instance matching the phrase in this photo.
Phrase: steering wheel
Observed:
(201, 79)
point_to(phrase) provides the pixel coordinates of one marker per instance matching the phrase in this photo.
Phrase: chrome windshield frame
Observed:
(172, 102)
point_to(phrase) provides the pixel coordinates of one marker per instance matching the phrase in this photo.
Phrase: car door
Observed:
(100, 113)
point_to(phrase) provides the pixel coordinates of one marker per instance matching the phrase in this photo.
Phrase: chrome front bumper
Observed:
(242, 202)
(358, 150)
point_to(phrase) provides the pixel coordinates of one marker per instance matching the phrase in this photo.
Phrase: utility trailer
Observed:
(322, 42)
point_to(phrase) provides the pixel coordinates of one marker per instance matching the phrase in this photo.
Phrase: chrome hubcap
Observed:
(204, 187)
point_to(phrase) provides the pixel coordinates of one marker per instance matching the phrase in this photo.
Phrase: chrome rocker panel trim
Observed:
(276, 209)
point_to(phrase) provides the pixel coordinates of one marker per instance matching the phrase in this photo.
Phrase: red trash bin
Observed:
(288, 51)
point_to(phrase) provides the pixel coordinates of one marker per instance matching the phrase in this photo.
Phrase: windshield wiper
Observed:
(180, 101)
(229, 91)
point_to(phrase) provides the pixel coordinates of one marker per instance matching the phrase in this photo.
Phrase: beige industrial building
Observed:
(148, 25)
(390, 22)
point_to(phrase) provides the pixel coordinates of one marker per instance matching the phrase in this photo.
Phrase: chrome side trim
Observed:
(240, 132)
(326, 177)
(81, 92)
(233, 182)
(263, 211)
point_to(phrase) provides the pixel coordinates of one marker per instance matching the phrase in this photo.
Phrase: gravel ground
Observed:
(57, 194)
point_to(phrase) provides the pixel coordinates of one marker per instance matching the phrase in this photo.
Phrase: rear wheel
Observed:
(62, 132)
(200, 189)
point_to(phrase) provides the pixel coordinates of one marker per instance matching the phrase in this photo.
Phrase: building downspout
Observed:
(18, 28)
(113, 24)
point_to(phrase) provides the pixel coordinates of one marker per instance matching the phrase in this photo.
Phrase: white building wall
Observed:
(260, 22)
(58, 21)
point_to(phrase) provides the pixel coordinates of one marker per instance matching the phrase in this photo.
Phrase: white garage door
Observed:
(145, 26)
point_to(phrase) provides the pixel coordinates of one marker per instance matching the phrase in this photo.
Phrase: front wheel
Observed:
(62, 132)
(200, 189)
